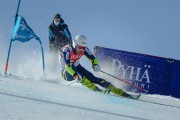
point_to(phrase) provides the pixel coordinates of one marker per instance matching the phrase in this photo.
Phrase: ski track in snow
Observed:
(85, 103)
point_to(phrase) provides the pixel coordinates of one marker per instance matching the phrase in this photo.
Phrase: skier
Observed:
(59, 36)
(73, 70)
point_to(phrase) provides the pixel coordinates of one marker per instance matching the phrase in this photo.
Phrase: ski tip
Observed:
(135, 97)
(138, 96)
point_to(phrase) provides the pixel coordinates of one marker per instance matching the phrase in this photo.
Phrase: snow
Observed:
(28, 99)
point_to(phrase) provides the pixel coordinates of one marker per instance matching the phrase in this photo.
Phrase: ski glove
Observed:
(96, 68)
(76, 76)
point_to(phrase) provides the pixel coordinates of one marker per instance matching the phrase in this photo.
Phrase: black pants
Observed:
(85, 73)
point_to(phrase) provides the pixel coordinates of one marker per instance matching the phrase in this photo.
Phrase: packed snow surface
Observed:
(28, 99)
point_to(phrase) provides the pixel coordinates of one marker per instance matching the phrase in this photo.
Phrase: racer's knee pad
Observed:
(88, 84)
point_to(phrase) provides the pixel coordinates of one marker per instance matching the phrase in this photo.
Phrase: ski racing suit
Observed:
(72, 68)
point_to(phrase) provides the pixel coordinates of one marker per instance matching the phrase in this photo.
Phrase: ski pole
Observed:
(125, 81)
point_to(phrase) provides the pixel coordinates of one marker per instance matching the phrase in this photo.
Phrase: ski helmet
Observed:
(80, 40)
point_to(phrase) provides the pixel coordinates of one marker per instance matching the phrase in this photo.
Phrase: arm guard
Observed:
(70, 70)
(95, 61)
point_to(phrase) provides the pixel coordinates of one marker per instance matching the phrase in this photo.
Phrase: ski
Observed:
(131, 96)
(135, 97)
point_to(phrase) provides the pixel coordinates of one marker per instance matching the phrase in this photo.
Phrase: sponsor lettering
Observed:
(137, 75)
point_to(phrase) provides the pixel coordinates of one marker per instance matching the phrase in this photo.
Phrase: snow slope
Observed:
(25, 99)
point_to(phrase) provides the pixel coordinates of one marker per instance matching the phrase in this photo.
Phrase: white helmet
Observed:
(80, 40)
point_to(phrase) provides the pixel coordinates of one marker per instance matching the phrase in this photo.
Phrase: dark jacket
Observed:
(59, 34)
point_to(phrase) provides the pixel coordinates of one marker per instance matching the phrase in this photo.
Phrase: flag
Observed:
(22, 32)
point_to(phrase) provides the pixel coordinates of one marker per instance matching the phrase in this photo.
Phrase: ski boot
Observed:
(115, 90)
(92, 86)
(122, 93)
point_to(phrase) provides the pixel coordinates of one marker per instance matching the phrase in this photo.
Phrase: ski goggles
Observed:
(81, 47)
(56, 19)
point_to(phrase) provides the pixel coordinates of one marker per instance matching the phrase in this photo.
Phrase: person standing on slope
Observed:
(73, 70)
(59, 36)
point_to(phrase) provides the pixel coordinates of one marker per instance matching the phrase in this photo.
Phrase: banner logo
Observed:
(138, 75)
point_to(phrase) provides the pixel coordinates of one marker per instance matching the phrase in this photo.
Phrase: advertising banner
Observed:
(147, 72)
